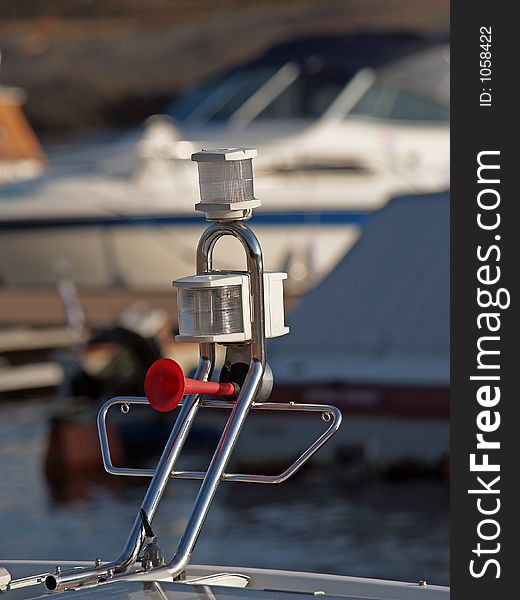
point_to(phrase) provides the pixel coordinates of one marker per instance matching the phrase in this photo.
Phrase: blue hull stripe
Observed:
(271, 219)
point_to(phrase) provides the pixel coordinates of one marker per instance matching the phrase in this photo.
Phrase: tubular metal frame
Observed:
(332, 413)
(125, 565)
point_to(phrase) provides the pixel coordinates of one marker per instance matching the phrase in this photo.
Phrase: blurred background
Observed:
(101, 106)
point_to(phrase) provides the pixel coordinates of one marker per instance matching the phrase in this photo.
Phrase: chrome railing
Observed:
(126, 565)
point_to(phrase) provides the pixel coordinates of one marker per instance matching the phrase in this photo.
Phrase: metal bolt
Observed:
(326, 417)
(97, 562)
(125, 408)
(57, 570)
(423, 583)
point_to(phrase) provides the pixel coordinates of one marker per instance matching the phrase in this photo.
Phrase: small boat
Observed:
(239, 310)
(344, 123)
(379, 351)
(102, 363)
(21, 155)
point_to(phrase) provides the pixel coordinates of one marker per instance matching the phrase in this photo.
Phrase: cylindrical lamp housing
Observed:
(216, 307)
(226, 183)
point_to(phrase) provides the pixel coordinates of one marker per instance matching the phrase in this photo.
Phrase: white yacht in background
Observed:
(343, 124)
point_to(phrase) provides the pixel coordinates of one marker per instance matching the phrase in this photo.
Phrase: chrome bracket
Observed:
(330, 414)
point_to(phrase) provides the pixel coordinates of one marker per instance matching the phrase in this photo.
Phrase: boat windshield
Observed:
(260, 92)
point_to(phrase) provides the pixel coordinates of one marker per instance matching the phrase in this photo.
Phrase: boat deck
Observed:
(237, 583)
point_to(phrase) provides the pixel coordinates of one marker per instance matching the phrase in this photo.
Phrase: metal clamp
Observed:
(331, 412)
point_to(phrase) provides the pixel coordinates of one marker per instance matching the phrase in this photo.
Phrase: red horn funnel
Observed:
(165, 385)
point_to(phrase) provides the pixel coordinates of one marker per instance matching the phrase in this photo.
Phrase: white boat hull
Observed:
(149, 256)
(379, 443)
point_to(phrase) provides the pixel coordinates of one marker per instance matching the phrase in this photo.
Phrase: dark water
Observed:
(316, 522)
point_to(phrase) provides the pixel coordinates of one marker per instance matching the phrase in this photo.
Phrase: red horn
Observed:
(165, 385)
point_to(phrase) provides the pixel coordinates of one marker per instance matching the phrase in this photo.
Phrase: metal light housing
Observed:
(226, 183)
(216, 307)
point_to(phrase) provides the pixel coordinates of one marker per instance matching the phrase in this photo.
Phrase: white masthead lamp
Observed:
(226, 183)
(217, 306)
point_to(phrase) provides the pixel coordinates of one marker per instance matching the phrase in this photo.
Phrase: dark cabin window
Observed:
(390, 103)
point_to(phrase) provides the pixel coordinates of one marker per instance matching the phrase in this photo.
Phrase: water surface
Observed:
(317, 522)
